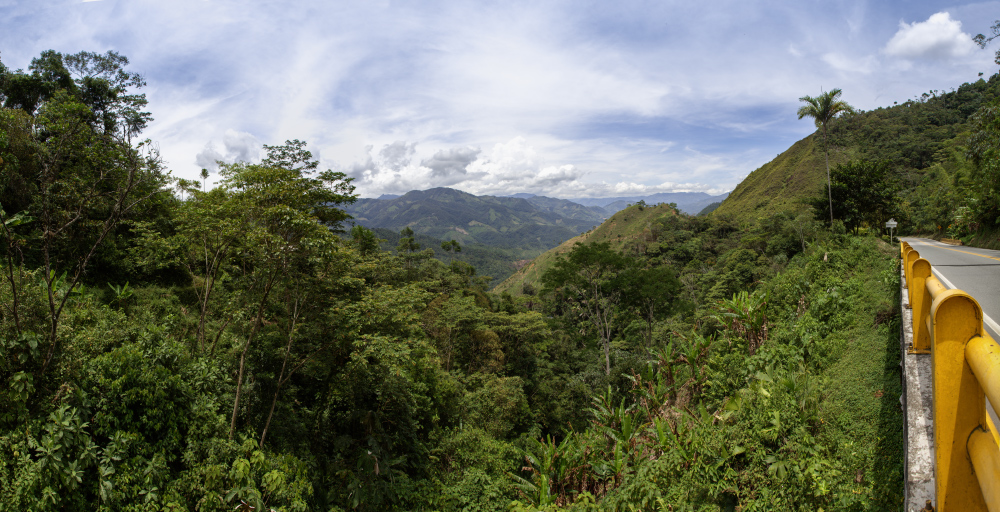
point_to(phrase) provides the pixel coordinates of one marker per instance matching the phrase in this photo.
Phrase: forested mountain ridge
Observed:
(442, 212)
(570, 209)
(497, 233)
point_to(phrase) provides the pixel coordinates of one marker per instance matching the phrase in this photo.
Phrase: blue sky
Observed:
(567, 99)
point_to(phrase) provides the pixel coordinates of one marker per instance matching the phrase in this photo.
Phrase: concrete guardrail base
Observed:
(917, 401)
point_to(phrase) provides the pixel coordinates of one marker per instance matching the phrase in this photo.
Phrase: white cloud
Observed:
(843, 63)
(451, 161)
(940, 37)
(209, 157)
(397, 155)
(635, 189)
(239, 147)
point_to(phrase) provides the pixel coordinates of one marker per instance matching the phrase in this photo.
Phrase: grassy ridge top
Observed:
(629, 226)
(782, 184)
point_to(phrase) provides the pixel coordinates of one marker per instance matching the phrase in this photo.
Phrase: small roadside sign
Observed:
(891, 224)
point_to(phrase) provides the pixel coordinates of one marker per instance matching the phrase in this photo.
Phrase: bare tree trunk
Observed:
(212, 265)
(607, 358)
(281, 376)
(219, 335)
(606, 339)
(829, 187)
(14, 284)
(246, 348)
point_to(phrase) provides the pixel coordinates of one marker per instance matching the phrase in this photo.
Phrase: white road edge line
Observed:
(986, 318)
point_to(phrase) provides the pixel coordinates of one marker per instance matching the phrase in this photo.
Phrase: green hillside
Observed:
(496, 262)
(782, 183)
(922, 139)
(224, 349)
(631, 227)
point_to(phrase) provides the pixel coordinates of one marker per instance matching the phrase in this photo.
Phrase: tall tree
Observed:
(588, 278)
(209, 229)
(72, 166)
(289, 216)
(866, 193)
(652, 294)
(822, 109)
(982, 40)
(983, 144)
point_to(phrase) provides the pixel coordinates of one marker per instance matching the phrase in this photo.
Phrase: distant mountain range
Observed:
(691, 203)
(523, 220)
(523, 225)
(447, 214)
(688, 202)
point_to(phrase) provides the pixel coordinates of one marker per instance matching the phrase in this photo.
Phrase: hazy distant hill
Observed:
(624, 230)
(447, 214)
(688, 202)
(570, 209)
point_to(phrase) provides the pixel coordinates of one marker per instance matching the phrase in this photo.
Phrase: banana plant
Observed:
(621, 423)
(746, 316)
(122, 293)
(551, 466)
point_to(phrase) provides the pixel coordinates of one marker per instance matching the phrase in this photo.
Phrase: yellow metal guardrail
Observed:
(948, 325)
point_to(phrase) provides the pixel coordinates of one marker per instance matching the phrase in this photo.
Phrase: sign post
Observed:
(891, 224)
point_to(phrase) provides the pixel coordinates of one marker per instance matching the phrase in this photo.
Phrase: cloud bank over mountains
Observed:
(507, 168)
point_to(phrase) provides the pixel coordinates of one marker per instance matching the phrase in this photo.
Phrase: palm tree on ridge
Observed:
(823, 108)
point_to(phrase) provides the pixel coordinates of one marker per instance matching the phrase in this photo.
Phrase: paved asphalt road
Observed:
(974, 270)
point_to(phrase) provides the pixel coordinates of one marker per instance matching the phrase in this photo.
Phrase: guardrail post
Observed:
(959, 407)
(911, 256)
(983, 452)
(906, 268)
(983, 356)
(921, 305)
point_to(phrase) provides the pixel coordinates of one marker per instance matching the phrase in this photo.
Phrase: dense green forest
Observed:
(244, 347)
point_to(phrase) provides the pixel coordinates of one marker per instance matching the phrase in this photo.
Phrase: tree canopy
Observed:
(865, 193)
